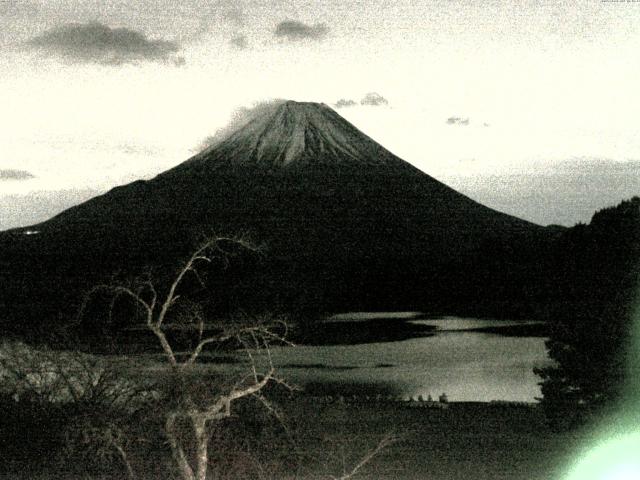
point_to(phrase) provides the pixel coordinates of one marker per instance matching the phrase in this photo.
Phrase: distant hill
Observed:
(345, 224)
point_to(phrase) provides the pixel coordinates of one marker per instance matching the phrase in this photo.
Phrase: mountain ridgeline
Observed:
(344, 223)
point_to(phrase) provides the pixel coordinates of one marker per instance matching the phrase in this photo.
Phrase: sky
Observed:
(528, 107)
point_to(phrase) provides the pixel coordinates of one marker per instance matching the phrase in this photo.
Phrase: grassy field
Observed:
(464, 441)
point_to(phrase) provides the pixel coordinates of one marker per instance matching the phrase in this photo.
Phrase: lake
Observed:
(456, 358)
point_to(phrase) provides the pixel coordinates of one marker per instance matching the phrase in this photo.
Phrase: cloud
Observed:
(10, 174)
(239, 118)
(98, 43)
(591, 165)
(458, 121)
(240, 42)
(293, 30)
(235, 16)
(371, 99)
(11, 8)
(343, 103)
(374, 99)
(21, 210)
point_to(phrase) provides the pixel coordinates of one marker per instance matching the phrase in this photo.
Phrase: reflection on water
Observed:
(467, 365)
(457, 323)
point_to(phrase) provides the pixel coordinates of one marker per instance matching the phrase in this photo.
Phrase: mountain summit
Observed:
(345, 224)
(297, 134)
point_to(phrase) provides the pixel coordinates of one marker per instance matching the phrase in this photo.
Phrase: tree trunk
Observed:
(186, 472)
(202, 444)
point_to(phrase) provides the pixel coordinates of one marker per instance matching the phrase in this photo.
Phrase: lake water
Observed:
(465, 364)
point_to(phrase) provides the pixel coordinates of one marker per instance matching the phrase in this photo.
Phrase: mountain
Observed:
(345, 224)
(298, 135)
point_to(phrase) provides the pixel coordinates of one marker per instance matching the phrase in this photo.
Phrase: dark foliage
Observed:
(69, 440)
(597, 273)
(66, 440)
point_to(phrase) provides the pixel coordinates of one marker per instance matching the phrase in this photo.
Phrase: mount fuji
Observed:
(345, 224)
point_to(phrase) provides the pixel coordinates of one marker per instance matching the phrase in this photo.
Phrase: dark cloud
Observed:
(458, 121)
(10, 174)
(343, 103)
(97, 43)
(235, 16)
(293, 30)
(240, 42)
(374, 99)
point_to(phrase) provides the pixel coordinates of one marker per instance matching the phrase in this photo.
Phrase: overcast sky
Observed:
(96, 93)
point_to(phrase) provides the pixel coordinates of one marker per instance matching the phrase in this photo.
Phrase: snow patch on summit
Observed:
(289, 133)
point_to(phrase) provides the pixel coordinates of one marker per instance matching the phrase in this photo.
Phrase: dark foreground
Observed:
(463, 441)
(324, 440)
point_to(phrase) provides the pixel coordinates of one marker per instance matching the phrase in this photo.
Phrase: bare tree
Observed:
(164, 310)
(87, 391)
(47, 376)
(192, 406)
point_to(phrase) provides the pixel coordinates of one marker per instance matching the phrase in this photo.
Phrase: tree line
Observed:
(595, 279)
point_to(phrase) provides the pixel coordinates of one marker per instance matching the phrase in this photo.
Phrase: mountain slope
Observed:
(346, 223)
(297, 134)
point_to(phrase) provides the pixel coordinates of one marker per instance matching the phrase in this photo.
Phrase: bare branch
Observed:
(125, 459)
(158, 305)
(171, 297)
(203, 343)
(251, 389)
(154, 294)
(120, 290)
(164, 343)
(385, 442)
